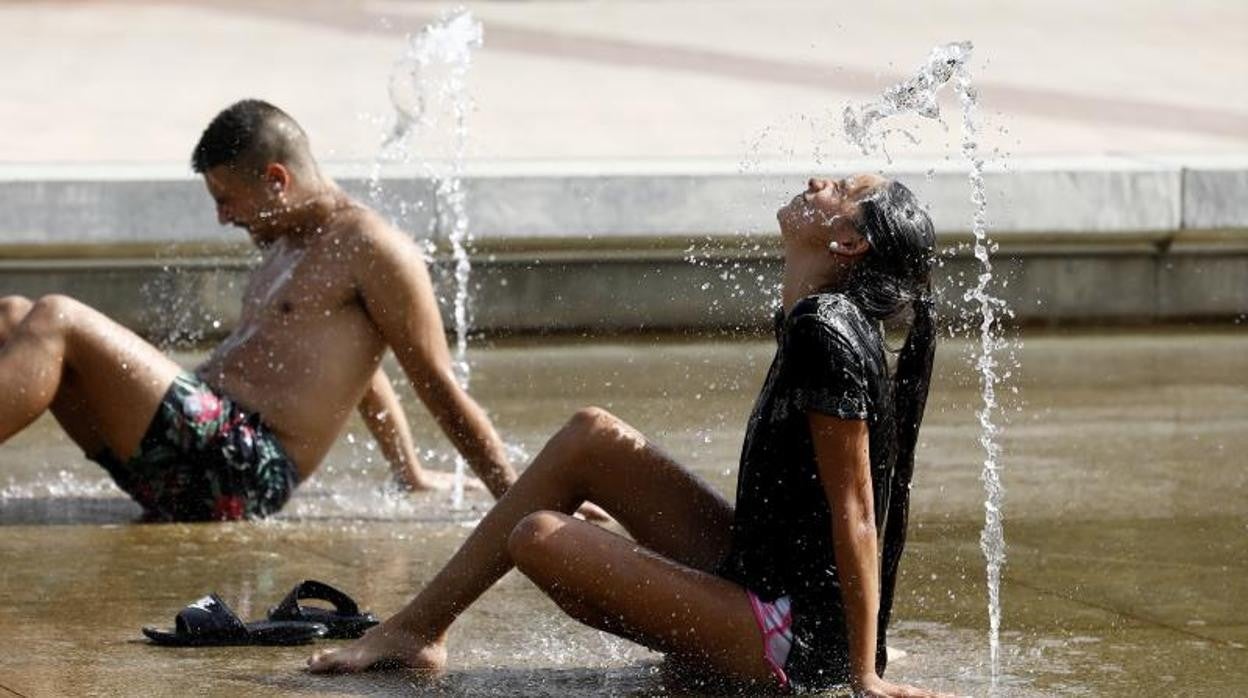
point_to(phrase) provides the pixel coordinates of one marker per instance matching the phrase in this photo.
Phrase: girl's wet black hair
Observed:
(895, 275)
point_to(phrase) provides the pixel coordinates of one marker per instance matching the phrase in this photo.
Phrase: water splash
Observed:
(914, 96)
(945, 64)
(180, 309)
(428, 89)
(63, 483)
(417, 90)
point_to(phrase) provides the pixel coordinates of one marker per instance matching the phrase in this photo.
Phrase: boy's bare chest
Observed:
(298, 285)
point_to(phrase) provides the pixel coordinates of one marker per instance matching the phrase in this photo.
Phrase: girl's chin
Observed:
(789, 220)
(795, 230)
(791, 243)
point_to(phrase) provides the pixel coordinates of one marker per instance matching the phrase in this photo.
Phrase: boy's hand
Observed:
(436, 481)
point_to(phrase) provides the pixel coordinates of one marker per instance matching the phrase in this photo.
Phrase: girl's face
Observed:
(826, 212)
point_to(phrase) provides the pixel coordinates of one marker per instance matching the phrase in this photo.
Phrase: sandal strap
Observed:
(289, 608)
(209, 616)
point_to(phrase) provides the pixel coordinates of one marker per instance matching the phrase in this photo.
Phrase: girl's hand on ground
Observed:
(875, 687)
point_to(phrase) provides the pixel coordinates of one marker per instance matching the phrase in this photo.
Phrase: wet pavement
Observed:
(1126, 521)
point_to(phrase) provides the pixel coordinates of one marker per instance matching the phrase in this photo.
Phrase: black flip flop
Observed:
(344, 620)
(209, 622)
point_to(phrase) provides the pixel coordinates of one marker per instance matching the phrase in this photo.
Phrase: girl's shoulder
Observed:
(831, 356)
(833, 315)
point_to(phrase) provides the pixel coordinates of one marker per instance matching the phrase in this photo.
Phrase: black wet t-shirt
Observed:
(830, 360)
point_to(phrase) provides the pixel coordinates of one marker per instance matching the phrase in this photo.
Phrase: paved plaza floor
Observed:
(1124, 520)
(136, 80)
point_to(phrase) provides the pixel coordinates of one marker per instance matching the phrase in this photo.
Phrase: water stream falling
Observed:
(992, 538)
(428, 89)
(917, 95)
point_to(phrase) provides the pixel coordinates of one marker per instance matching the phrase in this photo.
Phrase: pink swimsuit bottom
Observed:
(775, 622)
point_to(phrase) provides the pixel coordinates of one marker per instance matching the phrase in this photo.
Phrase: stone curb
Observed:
(627, 246)
(1073, 200)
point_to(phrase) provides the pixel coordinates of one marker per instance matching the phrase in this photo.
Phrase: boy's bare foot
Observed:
(382, 647)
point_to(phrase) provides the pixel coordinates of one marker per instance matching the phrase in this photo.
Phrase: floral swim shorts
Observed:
(204, 458)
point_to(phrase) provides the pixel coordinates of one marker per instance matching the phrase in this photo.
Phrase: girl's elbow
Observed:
(859, 519)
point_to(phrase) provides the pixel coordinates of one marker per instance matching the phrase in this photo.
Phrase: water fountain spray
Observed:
(428, 86)
(914, 96)
(917, 95)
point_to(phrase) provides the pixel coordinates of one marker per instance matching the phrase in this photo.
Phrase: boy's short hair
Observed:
(249, 135)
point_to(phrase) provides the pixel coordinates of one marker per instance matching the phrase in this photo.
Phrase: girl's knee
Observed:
(583, 435)
(596, 427)
(590, 421)
(531, 538)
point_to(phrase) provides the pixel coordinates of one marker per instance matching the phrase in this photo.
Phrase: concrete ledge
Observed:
(160, 205)
(190, 300)
(619, 246)
(1215, 198)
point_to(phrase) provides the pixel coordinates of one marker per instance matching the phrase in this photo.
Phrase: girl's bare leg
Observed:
(613, 584)
(596, 457)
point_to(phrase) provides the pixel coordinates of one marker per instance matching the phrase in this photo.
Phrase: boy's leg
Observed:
(103, 381)
(596, 457)
(69, 407)
(12, 310)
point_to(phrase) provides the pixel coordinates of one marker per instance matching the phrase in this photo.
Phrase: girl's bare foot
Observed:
(594, 514)
(383, 648)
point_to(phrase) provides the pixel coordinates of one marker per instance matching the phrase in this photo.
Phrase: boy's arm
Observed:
(384, 417)
(398, 294)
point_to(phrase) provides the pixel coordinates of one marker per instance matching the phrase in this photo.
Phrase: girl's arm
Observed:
(843, 455)
(845, 471)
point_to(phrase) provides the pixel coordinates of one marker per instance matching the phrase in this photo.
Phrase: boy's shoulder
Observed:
(363, 236)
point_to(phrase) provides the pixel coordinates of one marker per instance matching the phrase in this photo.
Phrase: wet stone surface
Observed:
(1126, 527)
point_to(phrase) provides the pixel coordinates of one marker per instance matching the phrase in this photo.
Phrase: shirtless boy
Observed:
(337, 286)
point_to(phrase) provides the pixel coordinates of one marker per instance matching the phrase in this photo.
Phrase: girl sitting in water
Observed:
(786, 588)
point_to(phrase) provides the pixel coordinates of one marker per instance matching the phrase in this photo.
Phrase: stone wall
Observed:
(654, 245)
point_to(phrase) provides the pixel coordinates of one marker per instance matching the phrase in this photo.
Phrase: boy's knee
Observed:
(532, 535)
(52, 312)
(13, 310)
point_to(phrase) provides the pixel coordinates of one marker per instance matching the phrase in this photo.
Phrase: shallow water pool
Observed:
(1126, 521)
